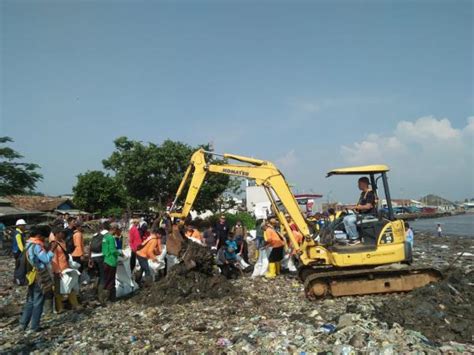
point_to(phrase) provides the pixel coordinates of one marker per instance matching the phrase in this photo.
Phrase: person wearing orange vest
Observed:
(149, 250)
(60, 263)
(277, 243)
(78, 240)
(294, 228)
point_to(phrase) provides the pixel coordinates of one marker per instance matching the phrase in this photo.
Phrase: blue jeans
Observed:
(143, 262)
(33, 307)
(351, 226)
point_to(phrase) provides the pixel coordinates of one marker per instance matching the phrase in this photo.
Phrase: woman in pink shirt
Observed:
(134, 240)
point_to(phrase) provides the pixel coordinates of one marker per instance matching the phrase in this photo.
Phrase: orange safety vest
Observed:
(273, 238)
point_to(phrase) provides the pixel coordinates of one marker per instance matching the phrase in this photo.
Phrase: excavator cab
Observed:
(370, 225)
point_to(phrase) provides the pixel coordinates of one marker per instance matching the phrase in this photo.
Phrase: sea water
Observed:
(454, 225)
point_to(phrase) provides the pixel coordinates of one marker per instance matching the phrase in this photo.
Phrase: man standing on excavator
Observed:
(366, 205)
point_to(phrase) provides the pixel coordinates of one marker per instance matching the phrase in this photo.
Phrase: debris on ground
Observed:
(258, 316)
(195, 278)
(441, 311)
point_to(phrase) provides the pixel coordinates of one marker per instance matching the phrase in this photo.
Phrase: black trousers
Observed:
(109, 279)
(133, 260)
(276, 255)
(245, 251)
(98, 269)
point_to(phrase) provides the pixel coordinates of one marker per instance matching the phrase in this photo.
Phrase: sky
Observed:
(309, 85)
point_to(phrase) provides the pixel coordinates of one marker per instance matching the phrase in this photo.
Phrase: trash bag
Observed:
(158, 264)
(288, 263)
(171, 261)
(291, 264)
(73, 264)
(124, 282)
(69, 281)
(261, 265)
(243, 264)
(162, 256)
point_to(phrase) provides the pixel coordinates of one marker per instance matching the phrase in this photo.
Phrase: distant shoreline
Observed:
(415, 216)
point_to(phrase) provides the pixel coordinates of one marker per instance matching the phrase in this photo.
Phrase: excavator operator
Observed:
(365, 206)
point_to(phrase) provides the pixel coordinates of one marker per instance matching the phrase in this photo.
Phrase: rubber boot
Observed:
(100, 292)
(59, 304)
(271, 273)
(278, 267)
(72, 298)
(106, 297)
(103, 296)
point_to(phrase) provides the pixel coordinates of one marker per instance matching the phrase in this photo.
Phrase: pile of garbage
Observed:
(196, 277)
(441, 311)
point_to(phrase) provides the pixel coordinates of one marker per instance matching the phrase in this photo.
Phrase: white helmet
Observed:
(20, 222)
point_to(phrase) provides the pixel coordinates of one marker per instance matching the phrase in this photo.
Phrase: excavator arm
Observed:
(262, 172)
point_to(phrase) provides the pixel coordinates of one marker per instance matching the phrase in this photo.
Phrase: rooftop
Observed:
(38, 203)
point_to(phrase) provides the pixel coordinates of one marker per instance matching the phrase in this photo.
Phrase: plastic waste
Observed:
(69, 281)
(158, 263)
(347, 350)
(171, 261)
(224, 342)
(124, 282)
(328, 328)
(261, 265)
(73, 264)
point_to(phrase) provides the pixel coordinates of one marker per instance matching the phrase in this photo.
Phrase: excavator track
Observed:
(322, 283)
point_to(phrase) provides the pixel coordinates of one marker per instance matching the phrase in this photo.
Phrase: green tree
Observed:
(152, 173)
(98, 192)
(16, 177)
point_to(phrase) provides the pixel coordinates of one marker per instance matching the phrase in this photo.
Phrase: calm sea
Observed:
(455, 225)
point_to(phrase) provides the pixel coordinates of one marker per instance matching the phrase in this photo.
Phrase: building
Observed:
(258, 203)
(46, 204)
(10, 213)
(468, 206)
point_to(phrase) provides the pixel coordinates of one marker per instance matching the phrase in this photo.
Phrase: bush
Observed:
(116, 212)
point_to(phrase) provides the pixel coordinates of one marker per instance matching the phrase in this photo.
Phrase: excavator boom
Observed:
(264, 174)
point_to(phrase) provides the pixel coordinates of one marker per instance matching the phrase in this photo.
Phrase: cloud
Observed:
(288, 161)
(426, 155)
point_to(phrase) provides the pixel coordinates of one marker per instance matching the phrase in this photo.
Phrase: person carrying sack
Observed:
(60, 263)
(150, 249)
(39, 280)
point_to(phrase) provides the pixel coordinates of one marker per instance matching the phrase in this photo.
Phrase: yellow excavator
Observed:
(380, 264)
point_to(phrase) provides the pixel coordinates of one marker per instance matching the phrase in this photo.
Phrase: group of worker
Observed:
(44, 259)
(55, 249)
